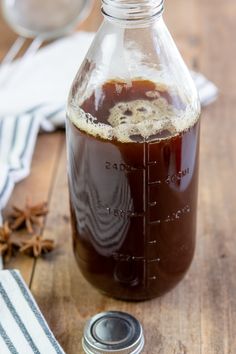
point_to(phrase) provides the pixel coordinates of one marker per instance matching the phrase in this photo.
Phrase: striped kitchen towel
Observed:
(38, 87)
(23, 329)
(17, 140)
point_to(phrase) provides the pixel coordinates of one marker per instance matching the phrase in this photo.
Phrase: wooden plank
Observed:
(218, 282)
(182, 18)
(37, 186)
(6, 39)
(218, 26)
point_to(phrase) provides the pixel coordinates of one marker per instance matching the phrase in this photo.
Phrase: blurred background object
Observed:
(42, 20)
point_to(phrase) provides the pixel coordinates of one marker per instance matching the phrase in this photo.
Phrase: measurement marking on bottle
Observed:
(178, 176)
(122, 167)
(146, 228)
(151, 163)
(174, 216)
(153, 260)
(141, 258)
(154, 182)
(154, 222)
(152, 204)
(150, 258)
(121, 213)
(127, 257)
(177, 214)
(152, 242)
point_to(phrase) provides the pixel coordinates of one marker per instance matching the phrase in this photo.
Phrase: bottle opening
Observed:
(132, 10)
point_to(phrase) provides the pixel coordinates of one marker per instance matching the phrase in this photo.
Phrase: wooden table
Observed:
(198, 316)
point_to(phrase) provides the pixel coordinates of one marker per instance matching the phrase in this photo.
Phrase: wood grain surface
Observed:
(199, 315)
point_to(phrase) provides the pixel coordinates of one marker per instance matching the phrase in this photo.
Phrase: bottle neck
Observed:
(132, 12)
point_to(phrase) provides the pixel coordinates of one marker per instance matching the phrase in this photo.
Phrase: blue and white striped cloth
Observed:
(17, 140)
(18, 135)
(23, 329)
(39, 88)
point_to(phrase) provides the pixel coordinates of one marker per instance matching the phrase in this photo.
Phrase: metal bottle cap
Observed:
(113, 332)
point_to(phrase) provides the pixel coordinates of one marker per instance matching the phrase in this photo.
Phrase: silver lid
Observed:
(113, 332)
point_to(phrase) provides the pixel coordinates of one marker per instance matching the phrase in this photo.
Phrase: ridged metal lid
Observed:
(113, 332)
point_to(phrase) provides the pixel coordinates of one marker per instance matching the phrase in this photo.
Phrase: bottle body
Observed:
(133, 138)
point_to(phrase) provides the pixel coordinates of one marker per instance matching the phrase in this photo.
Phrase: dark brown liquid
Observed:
(133, 205)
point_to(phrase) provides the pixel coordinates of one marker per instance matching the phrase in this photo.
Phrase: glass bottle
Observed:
(133, 145)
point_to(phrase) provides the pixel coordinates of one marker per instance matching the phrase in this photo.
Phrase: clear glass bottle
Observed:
(133, 143)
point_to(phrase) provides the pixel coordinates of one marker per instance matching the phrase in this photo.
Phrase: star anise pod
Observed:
(7, 242)
(5, 232)
(37, 245)
(28, 216)
(3, 249)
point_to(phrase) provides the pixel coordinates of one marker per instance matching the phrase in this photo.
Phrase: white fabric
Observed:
(207, 91)
(33, 94)
(23, 329)
(44, 78)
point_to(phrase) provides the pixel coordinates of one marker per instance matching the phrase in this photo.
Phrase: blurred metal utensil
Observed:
(41, 20)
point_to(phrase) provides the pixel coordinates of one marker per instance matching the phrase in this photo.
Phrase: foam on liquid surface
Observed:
(137, 120)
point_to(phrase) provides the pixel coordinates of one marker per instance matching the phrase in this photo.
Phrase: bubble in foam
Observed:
(143, 118)
(89, 124)
(153, 94)
(139, 111)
